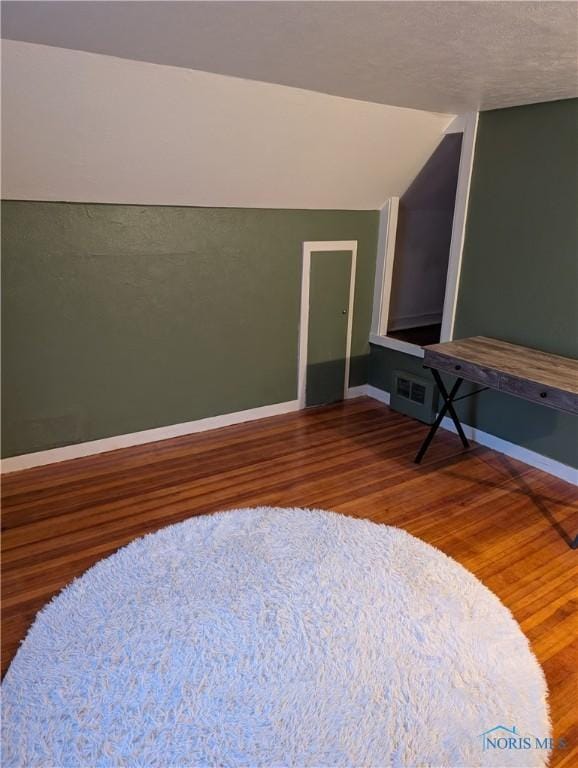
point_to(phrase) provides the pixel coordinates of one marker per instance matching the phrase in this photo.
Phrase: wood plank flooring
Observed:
(506, 522)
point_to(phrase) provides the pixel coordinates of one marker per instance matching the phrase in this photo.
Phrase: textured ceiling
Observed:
(438, 56)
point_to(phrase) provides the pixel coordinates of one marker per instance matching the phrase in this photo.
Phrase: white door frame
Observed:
(384, 266)
(466, 124)
(470, 130)
(309, 247)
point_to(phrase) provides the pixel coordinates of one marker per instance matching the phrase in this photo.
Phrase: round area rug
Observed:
(275, 637)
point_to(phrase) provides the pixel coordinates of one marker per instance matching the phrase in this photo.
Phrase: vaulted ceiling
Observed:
(84, 127)
(438, 56)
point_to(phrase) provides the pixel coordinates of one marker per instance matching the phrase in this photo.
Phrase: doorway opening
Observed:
(327, 292)
(422, 247)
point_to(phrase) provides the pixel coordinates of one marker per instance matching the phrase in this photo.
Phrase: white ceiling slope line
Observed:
(448, 57)
(457, 125)
(90, 128)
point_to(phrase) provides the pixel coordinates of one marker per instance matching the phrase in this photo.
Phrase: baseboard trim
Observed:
(55, 455)
(352, 392)
(67, 452)
(377, 394)
(533, 459)
(537, 460)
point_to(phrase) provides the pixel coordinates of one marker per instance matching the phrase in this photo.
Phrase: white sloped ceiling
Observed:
(85, 127)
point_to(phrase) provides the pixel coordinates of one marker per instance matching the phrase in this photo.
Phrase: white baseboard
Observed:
(356, 392)
(377, 394)
(40, 458)
(55, 455)
(546, 464)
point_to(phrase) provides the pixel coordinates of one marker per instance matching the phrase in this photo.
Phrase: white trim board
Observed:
(459, 224)
(400, 346)
(359, 391)
(67, 452)
(384, 266)
(468, 123)
(525, 455)
(309, 247)
(537, 460)
(106, 444)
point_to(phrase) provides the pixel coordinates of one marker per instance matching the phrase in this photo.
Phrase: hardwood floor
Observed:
(506, 522)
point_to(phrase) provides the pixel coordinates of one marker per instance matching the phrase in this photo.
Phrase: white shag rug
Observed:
(273, 637)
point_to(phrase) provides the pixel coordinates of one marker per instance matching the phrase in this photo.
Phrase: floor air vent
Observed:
(414, 396)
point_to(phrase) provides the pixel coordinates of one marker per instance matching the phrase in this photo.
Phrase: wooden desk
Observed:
(547, 379)
(539, 377)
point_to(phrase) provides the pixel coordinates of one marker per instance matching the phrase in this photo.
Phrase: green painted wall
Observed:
(519, 279)
(123, 318)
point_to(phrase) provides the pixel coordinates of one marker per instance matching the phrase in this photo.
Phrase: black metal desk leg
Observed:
(448, 400)
(447, 407)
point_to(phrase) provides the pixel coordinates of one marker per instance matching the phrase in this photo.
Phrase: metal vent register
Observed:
(415, 396)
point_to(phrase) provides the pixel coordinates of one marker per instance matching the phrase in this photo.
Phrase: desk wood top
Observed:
(522, 362)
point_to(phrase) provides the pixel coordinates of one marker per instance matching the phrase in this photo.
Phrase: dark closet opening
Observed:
(422, 247)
